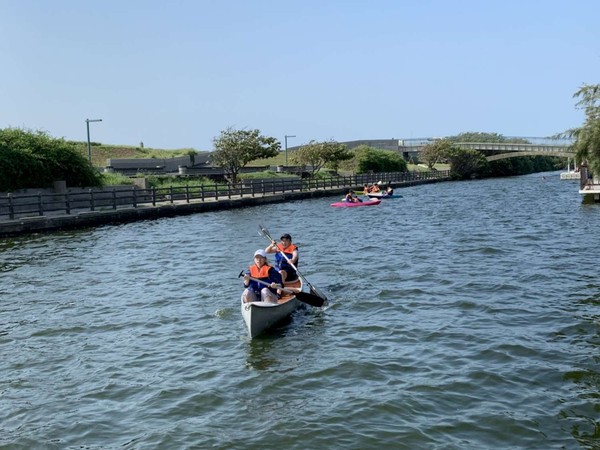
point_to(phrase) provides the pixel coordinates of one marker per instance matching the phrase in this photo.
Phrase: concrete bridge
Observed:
(535, 146)
(516, 150)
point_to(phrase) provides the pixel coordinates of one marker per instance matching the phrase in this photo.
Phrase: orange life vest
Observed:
(289, 250)
(263, 272)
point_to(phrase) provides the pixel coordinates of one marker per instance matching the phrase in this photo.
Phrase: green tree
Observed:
(369, 159)
(466, 163)
(432, 153)
(318, 154)
(234, 149)
(587, 137)
(33, 159)
(478, 136)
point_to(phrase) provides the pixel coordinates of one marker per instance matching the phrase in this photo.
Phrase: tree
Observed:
(587, 137)
(33, 159)
(318, 154)
(466, 163)
(478, 136)
(234, 149)
(369, 159)
(432, 153)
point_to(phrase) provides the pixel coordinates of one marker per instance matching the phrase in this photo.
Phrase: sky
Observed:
(174, 74)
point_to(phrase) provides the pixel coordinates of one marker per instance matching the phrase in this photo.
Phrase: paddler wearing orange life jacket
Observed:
(263, 271)
(288, 273)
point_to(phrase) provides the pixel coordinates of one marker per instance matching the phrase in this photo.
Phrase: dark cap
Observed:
(286, 236)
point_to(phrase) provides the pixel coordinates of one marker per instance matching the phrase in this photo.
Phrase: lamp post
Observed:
(87, 123)
(285, 139)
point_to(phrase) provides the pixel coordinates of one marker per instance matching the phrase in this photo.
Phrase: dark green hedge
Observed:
(33, 159)
(370, 159)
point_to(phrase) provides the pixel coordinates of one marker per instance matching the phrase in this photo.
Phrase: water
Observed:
(463, 316)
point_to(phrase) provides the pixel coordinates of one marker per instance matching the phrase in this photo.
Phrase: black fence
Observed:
(14, 206)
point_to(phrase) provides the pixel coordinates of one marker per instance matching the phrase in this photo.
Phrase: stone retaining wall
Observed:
(84, 219)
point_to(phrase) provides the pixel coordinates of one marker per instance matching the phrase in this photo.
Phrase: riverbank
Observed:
(81, 219)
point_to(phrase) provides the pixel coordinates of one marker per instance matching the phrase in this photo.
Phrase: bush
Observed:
(35, 160)
(370, 159)
(466, 163)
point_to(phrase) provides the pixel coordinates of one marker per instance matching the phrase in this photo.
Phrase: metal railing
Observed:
(14, 206)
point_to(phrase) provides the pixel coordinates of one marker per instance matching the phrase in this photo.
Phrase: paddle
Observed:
(304, 297)
(264, 232)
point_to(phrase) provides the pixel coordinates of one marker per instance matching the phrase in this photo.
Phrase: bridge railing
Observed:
(536, 141)
(500, 146)
(15, 206)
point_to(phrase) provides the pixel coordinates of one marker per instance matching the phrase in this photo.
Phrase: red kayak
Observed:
(343, 204)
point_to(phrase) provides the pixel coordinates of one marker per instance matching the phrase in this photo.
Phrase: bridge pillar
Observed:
(583, 174)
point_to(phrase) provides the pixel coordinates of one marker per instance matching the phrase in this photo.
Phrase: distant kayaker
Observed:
(351, 197)
(288, 273)
(264, 272)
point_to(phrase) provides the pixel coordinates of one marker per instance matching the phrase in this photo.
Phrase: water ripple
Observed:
(462, 316)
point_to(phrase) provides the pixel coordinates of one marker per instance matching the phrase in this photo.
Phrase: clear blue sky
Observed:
(173, 74)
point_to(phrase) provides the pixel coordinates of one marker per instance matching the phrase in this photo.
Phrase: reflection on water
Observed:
(264, 353)
(260, 355)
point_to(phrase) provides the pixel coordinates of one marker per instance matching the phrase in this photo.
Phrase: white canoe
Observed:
(260, 316)
(381, 195)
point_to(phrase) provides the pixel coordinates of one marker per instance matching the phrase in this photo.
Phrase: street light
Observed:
(87, 123)
(286, 138)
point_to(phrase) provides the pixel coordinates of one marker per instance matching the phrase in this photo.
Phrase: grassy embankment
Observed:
(100, 154)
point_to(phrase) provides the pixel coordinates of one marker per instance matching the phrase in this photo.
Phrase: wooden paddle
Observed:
(264, 232)
(304, 297)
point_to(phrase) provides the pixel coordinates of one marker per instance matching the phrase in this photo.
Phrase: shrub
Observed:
(31, 159)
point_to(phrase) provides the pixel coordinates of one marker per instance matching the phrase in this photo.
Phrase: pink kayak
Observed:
(371, 202)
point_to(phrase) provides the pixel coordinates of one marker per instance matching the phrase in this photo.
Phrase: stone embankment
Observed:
(86, 218)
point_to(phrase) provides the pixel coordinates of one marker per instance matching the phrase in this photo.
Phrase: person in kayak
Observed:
(287, 272)
(351, 197)
(264, 272)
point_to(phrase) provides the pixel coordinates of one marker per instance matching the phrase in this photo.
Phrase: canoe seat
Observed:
(285, 296)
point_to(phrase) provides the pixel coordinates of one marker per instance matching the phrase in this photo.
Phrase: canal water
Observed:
(464, 315)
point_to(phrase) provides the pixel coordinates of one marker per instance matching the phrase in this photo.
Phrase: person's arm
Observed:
(294, 257)
(275, 278)
(272, 248)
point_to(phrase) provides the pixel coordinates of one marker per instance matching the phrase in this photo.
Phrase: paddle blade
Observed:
(316, 292)
(310, 299)
(264, 232)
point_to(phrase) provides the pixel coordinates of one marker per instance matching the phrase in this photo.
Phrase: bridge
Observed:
(534, 146)
(514, 150)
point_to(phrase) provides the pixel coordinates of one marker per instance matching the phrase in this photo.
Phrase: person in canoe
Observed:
(375, 188)
(287, 272)
(351, 197)
(389, 190)
(263, 271)
(366, 189)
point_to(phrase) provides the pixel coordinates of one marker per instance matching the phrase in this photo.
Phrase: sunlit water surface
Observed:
(463, 316)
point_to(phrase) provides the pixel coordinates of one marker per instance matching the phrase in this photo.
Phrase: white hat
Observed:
(260, 252)
(380, 183)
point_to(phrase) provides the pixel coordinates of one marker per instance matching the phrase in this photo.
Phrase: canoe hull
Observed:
(371, 202)
(260, 316)
(383, 196)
